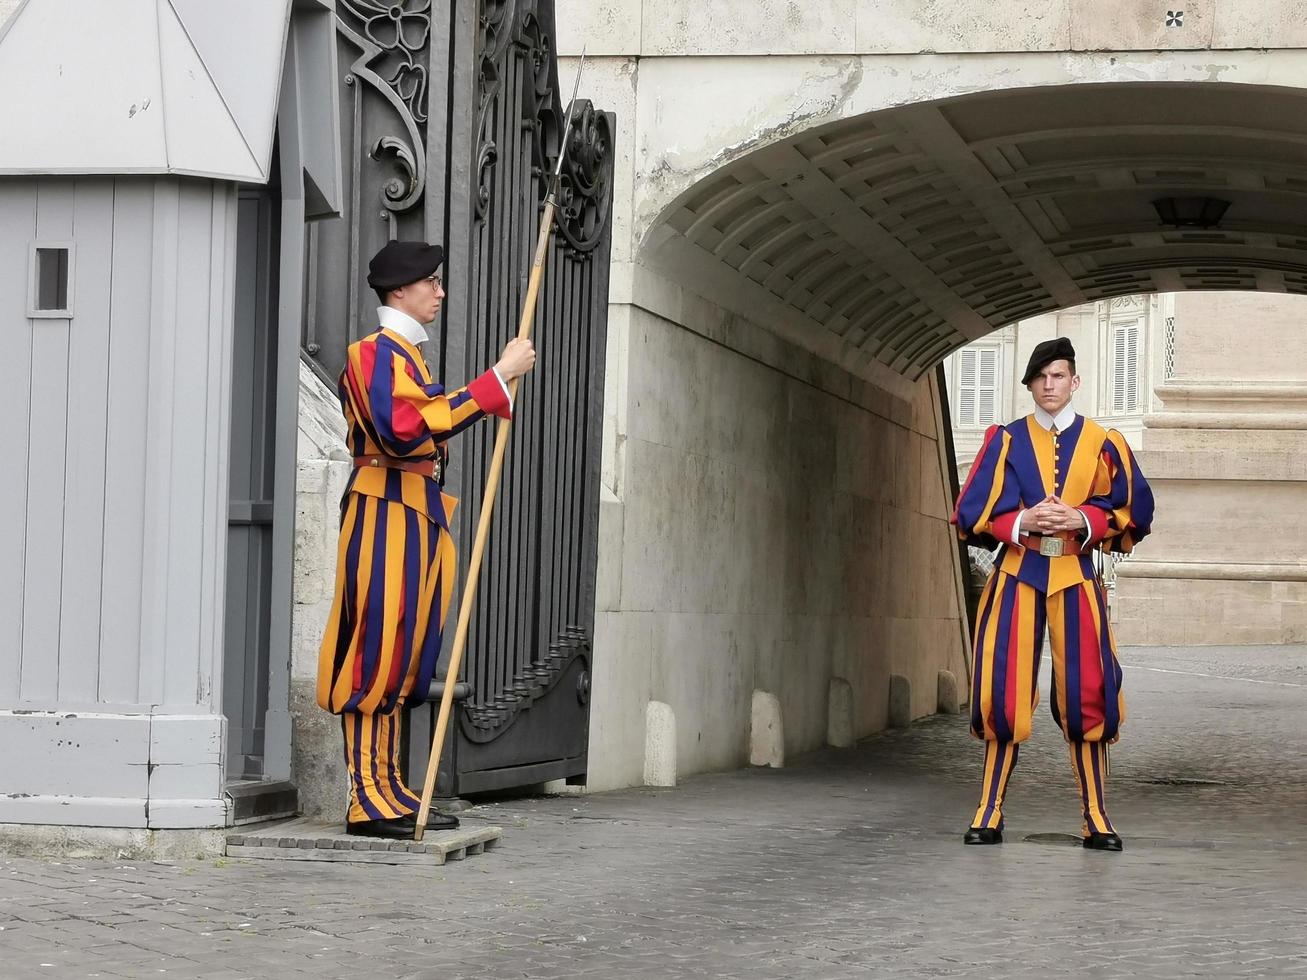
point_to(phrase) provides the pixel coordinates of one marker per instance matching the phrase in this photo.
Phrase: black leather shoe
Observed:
(983, 835)
(400, 828)
(441, 821)
(1103, 842)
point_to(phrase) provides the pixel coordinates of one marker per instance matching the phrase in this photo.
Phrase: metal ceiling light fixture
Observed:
(1190, 212)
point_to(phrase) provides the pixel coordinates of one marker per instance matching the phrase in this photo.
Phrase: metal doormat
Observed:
(1062, 839)
(311, 840)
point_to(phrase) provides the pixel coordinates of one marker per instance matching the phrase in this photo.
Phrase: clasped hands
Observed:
(1050, 515)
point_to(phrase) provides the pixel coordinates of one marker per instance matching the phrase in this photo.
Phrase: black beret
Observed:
(1057, 349)
(401, 263)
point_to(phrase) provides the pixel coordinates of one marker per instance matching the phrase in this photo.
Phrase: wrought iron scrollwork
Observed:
(483, 722)
(399, 195)
(495, 34)
(391, 37)
(495, 22)
(585, 194)
(398, 33)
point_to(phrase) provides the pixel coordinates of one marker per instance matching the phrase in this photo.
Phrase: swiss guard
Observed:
(1050, 489)
(395, 566)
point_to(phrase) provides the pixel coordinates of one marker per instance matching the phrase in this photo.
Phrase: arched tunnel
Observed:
(844, 260)
(907, 233)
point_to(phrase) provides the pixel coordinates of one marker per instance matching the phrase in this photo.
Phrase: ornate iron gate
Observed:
(451, 123)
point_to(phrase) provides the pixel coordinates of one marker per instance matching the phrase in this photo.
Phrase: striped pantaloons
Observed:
(1086, 701)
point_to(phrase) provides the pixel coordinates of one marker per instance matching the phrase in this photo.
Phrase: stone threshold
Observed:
(311, 840)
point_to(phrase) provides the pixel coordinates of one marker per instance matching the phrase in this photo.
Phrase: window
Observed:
(978, 387)
(1169, 363)
(50, 289)
(1125, 368)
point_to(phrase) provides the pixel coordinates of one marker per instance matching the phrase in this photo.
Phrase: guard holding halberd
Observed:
(395, 567)
(1050, 488)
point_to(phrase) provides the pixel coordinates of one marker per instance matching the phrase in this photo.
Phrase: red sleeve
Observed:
(489, 394)
(1097, 518)
(1002, 525)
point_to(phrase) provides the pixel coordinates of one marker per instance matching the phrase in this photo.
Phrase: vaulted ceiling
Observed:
(909, 232)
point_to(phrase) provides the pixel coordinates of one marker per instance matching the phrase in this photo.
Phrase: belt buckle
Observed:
(1051, 547)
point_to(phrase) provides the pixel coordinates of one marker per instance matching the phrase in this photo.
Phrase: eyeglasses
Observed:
(435, 280)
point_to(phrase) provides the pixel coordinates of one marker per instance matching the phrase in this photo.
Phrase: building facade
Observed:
(1207, 388)
(731, 493)
(1125, 348)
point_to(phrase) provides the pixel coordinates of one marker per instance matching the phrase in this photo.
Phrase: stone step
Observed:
(259, 801)
(311, 840)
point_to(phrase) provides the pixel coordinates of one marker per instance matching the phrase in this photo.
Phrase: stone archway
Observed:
(883, 242)
(897, 236)
(801, 272)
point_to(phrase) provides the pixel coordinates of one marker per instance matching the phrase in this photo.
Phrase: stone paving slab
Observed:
(310, 840)
(845, 865)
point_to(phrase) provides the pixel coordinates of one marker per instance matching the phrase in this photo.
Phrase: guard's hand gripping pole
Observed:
(525, 323)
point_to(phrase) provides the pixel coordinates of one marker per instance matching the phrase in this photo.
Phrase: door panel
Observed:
(253, 445)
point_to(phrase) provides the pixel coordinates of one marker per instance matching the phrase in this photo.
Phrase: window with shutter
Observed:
(967, 388)
(1125, 368)
(1132, 369)
(978, 387)
(987, 387)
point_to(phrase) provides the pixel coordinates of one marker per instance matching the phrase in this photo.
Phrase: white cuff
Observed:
(1016, 528)
(1089, 531)
(507, 394)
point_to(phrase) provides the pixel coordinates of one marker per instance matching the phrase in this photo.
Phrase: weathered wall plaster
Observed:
(773, 523)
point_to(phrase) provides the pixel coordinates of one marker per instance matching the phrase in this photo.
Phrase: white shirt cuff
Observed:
(507, 394)
(1089, 530)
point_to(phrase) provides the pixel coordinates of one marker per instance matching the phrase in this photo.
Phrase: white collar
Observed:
(402, 324)
(1062, 420)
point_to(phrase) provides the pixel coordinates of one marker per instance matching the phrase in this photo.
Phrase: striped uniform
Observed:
(1093, 470)
(395, 565)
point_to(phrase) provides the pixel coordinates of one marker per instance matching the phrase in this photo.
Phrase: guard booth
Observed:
(185, 196)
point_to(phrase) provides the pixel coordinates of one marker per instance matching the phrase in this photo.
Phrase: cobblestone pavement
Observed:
(848, 864)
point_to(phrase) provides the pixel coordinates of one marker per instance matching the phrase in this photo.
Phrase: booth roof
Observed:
(141, 87)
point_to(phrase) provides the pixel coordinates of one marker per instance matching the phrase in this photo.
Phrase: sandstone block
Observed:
(659, 745)
(767, 732)
(840, 731)
(900, 701)
(946, 699)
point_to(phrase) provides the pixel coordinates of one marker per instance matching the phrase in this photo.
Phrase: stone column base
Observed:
(1181, 604)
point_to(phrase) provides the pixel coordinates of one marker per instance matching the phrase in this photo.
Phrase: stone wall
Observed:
(773, 513)
(775, 68)
(323, 469)
(1089, 328)
(770, 523)
(1227, 458)
(653, 28)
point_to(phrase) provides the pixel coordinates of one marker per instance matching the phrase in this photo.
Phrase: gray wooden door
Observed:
(253, 453)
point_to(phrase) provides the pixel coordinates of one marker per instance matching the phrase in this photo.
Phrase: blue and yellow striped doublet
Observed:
(395, 565)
